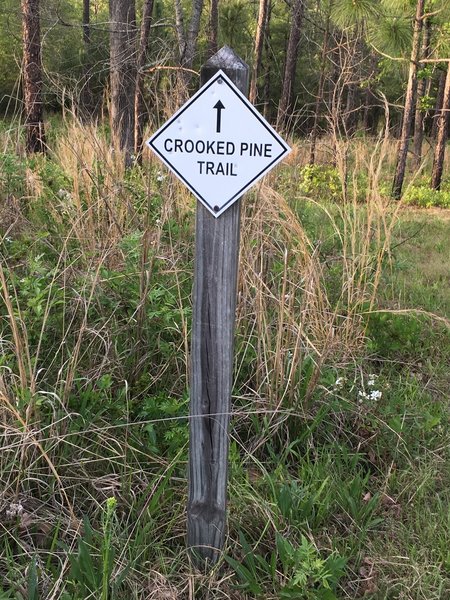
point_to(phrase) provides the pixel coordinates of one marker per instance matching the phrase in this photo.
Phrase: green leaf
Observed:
(245, 575)
(32, 583)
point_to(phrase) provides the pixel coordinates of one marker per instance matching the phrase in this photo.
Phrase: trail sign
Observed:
(218, 144)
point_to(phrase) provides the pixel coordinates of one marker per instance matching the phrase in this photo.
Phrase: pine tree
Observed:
(292, 52)
(408, 113)
(139, 104)
(123, 73)
(442, 130)
(32, 76)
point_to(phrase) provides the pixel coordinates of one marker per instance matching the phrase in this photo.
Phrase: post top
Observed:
(226, 58)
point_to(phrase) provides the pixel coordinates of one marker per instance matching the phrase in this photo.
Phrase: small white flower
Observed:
(375, 395)
(15, 510)
(339, 382)
(64, 194)
(160, 178)
(371, 380)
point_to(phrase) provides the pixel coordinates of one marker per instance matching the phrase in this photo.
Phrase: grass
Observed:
(339, 462)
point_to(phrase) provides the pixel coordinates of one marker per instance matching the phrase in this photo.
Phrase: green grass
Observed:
(345, 495)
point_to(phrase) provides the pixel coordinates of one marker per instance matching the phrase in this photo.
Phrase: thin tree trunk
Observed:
(123, 73)
(349, 117)
(408, 112)
(139, 104)
(291, 63)
(438, 105)
(369, 108)
(86, 22)
(179, 28)
(319, 97)
(258, 50)
(213, 30)
(192, 34)
(32, 77)
(187, 42)
(86, 107)
(439, 153)
(351, 113)
(267, 80)
(421, 87)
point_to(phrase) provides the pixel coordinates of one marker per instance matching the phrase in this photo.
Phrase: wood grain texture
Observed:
(214, 305)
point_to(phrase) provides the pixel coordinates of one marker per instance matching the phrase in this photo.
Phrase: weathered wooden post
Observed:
(219, 146)
(214, 304)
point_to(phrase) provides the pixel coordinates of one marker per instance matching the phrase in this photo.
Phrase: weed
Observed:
(291, 571)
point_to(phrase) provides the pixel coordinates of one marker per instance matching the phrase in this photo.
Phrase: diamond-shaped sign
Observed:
(218, 144)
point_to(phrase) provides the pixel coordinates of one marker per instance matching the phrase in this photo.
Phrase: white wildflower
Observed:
(64, 194)
(371, 381)
(375, 395)
(339, 382)
(15, 510)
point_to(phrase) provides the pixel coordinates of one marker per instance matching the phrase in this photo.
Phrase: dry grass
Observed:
(291, 315)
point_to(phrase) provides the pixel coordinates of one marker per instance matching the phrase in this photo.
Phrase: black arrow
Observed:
(219, 107)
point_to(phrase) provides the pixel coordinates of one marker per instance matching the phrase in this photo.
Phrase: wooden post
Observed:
(214, 304)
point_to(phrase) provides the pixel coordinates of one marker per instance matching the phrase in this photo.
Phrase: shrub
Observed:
(425, 197)
(321, 181)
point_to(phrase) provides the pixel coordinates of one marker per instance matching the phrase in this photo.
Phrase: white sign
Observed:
(218, 144)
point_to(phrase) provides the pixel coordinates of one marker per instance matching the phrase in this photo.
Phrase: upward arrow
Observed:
(219, 106)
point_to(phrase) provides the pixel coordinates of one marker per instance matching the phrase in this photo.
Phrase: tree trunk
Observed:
(352, 106)
(319, 97)
(213, 32)
(187, 42)
(179, 28)
(192, 34)
(139, 104)
(421, 87)
(438, 105)
(267, 79)
(86, 22)
(369, 108)
(32, 77)
(291, 63)
(439, 153)
(123, 74)
(408, 112)
(86, 102)
(258, 50)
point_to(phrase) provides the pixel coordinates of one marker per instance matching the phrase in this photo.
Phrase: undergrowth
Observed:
(339, 438)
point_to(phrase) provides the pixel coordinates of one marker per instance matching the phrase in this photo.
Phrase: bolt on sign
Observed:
(218, 144)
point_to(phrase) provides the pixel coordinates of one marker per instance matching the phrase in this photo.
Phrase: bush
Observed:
(321, 181)
(426, 198)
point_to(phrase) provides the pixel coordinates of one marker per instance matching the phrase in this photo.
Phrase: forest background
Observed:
(339, 445)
